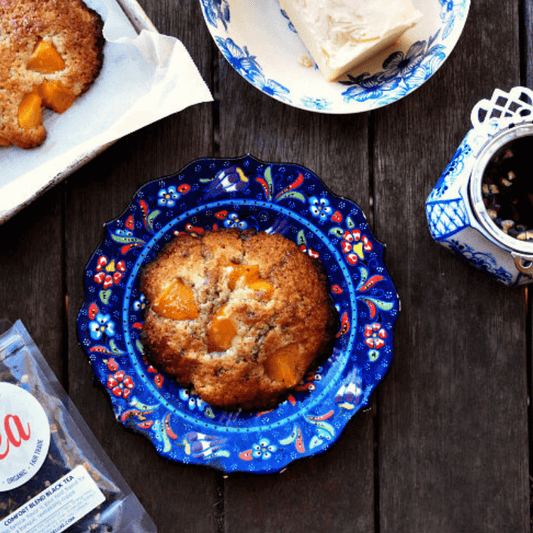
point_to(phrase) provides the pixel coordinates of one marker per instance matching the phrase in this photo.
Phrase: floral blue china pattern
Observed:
(401, 72)
(244, 193)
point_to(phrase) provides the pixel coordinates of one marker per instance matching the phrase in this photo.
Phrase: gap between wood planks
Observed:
(526, 79)
(219, 505)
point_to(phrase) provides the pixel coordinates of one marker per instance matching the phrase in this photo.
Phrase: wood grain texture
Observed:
(526, 42)
(453, 419)
(333, 492)
(31, 275)
(178, 497)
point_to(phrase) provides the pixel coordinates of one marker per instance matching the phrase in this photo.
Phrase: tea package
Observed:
(54, 476)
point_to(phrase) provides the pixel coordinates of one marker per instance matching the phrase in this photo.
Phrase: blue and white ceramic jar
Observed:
(457, 214)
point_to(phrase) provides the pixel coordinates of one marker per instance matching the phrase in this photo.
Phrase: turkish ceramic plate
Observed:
(244, 193)
(261, 44)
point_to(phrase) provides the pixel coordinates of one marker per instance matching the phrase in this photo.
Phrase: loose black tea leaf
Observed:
(507, 187)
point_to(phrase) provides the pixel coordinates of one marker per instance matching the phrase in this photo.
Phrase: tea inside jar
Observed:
(507, 188)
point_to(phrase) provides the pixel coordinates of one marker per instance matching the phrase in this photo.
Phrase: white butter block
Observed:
(341, 34)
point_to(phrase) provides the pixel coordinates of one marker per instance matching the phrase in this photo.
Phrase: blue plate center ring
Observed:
(132, 293)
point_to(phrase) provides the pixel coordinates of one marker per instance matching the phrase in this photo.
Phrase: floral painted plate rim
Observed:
(241, 192)
(260, 43)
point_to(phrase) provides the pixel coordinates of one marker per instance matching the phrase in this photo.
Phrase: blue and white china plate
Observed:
(260, 43)
(243, 193)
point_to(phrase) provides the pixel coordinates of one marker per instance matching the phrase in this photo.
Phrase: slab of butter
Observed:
(340, 34)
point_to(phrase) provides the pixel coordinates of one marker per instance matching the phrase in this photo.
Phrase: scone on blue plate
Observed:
(240, 316)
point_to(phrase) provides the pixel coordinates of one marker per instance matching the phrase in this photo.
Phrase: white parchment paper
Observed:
(145, 77)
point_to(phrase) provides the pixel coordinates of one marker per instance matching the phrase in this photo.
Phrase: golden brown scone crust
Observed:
(76, 32)
(299, 313)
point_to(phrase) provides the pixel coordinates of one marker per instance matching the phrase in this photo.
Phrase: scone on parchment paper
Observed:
(239, 315)
(51, 51)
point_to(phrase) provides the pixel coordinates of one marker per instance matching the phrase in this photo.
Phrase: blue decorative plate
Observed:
(260, 43)
(243, 193)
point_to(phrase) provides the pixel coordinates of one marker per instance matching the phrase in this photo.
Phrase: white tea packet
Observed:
(54, 475)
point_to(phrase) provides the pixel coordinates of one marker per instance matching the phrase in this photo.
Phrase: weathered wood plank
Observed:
(527, 80)
(527, 43)
(453, 454)
(334, 491)
(31, 275)
(176, 496)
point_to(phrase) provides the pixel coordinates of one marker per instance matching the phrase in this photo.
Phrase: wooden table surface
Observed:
(444, 447)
